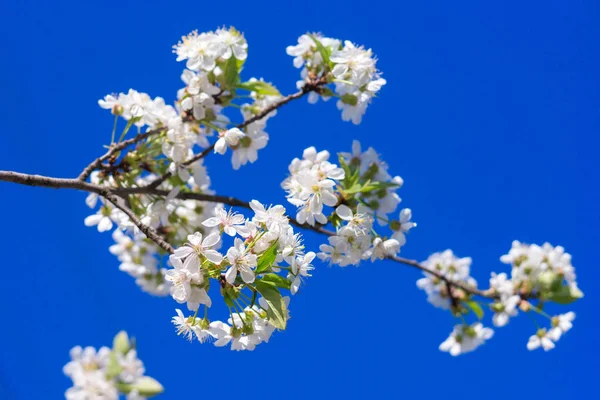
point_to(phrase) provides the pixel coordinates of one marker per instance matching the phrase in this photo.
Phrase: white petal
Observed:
(192, 264)
(92, 220)
(105, 224)
(230, 275)
(211, 222)
(211, 240)
(213, 256)
(247, 275)
(344, 212)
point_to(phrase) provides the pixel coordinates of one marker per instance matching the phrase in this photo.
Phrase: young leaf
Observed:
(566, 295)
(231, 73)
(277, 280)
(347, 170)
(277, 311)
(324, 51)
(356, 188)
(475, 307)
(260, 87)
(266, 260)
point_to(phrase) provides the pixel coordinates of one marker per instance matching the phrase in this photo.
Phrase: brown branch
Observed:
(146, 229)
(105, 191)
(115, 148)
(112, 193)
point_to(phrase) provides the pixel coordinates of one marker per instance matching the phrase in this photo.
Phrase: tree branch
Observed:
(112, 193)
(146, 229)
(105, 191)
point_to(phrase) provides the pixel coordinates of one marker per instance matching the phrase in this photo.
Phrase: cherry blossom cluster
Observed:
(351, 69)
(214, 60)
(451, 267)
(176, 238)
(250, 261)
(544, 273)
(540, 275)
(465, 338)
(250, 267)
(361, 192)
(105, 374)
(212, 81)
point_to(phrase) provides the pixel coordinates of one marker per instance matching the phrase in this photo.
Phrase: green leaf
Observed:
(550, 281)
(277, 280)
(324, 51)
(231, 72)
(345, 167)
(260, 87)
(475, 307)
(121, 343)
(356, 188)
(266, 260)
(352, 174)
(566, 295)
(113, 368)
(277, 311)
(146, 386)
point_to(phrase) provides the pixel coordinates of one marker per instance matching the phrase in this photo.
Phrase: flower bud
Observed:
(525, 306)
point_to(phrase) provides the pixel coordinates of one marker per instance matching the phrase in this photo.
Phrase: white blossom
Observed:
(561, 324)
(541, 339)
(301, 267)
(465, 338)
(241, 261)
(228, 138)
(230, 222)
(454, 268)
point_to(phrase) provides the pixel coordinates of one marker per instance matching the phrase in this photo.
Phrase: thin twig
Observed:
(146, 229)
(115, 148)
(309, 87)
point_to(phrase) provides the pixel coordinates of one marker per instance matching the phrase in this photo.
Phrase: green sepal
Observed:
(121, 343)
(146, 386)
(113, 368)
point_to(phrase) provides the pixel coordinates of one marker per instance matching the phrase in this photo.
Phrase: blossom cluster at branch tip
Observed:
(248, 269)
(352, 69)
(105, 374)
(540, 275)
(214, 61)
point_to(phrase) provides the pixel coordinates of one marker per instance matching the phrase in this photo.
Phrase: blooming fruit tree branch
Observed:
(152, 186)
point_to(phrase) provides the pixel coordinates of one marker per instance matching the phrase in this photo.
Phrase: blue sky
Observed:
(491, 116)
